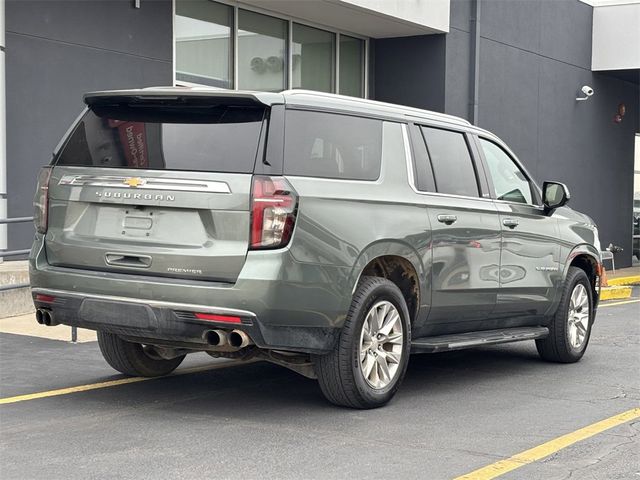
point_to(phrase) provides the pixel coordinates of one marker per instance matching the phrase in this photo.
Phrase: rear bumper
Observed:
(173, 324)
(283, 304)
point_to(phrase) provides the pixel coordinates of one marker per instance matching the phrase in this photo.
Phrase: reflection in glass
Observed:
(351, 66)
(313, 58)
(509, 182)
(262, 50)
(203, 42)
(215, 139)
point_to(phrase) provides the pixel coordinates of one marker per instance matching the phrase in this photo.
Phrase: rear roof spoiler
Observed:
(168, 94)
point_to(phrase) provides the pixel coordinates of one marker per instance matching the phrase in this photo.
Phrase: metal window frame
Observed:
(289, 46)
(336, 82)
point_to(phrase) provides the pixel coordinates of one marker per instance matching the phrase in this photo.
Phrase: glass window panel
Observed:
(262, 50)
(203, 42)
(313, 58)
(451, 162)
(332, 146)
(509, 182)
(351, 66)
(224, 138)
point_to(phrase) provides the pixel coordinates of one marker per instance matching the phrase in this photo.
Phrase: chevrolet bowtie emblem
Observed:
(134, 181)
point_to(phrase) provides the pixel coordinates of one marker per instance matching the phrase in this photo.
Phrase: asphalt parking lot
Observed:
(455, 413)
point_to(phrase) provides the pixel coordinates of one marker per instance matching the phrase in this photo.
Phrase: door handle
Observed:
(510, 222)
(127, 260)
(447, 219)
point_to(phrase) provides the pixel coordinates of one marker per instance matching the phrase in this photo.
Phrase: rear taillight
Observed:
(273, 212)
(41, 200)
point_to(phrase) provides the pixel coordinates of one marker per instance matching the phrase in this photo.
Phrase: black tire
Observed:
(339, 374)
(557, 347)
(130, 358)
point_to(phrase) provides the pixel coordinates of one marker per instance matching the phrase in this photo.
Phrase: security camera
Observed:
(587, 90)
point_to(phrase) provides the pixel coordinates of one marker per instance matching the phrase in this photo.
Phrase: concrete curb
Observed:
(630, 280)
(615, 292)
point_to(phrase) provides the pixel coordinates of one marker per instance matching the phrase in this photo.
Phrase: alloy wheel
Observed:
(380, 350)
(578, 316)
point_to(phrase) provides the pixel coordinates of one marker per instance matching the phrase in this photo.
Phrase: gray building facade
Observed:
(514, 68)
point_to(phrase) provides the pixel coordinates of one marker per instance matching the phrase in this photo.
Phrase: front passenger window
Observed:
(509, 183)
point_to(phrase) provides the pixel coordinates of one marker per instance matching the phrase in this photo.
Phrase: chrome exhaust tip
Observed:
(216, 338)
(239, 339)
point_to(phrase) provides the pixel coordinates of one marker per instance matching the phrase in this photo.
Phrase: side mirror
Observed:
(554, 195)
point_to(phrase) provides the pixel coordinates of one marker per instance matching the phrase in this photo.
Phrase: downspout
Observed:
(3, 135)
(474, 67)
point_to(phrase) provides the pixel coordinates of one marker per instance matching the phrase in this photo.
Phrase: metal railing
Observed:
(13, 253)
(5, 221)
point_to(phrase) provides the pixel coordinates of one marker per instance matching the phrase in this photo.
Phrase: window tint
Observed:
(332, 146)
(214, 139)
(509, 183)
(451, 162)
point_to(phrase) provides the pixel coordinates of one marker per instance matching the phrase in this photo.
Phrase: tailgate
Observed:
(155, 191)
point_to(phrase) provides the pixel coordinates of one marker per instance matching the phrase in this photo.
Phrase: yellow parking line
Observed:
(618, 303)
(112, 383)
(541, 451)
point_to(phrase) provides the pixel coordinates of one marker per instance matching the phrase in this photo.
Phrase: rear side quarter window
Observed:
(329, 145)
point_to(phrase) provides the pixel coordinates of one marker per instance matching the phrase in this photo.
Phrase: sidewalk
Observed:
(27, 325)
(620, 283)
(625, 276)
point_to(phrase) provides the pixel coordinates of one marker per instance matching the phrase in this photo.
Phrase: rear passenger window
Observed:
(451, 162)
(332, 146)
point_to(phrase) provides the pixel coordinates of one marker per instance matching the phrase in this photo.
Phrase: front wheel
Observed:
(370, 358)
(570, 328)
(134, 359)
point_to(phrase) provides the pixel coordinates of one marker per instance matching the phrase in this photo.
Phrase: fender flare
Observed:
(591, 252)
(581, 249)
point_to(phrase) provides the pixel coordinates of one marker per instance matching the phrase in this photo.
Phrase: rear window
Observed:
(213, 139)
(332, 146)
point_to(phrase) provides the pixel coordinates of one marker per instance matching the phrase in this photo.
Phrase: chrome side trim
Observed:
(172, 184)
(507, 202)
(190, 307)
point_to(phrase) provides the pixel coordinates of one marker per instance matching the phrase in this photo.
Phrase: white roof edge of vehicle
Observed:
(384, 107)
(293, 97)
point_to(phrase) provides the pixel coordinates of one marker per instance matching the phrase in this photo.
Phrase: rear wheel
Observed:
(134, 359)
(570, 328)
(370, 358)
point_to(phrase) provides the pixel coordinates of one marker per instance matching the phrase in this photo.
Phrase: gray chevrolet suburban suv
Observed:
(331, 235)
